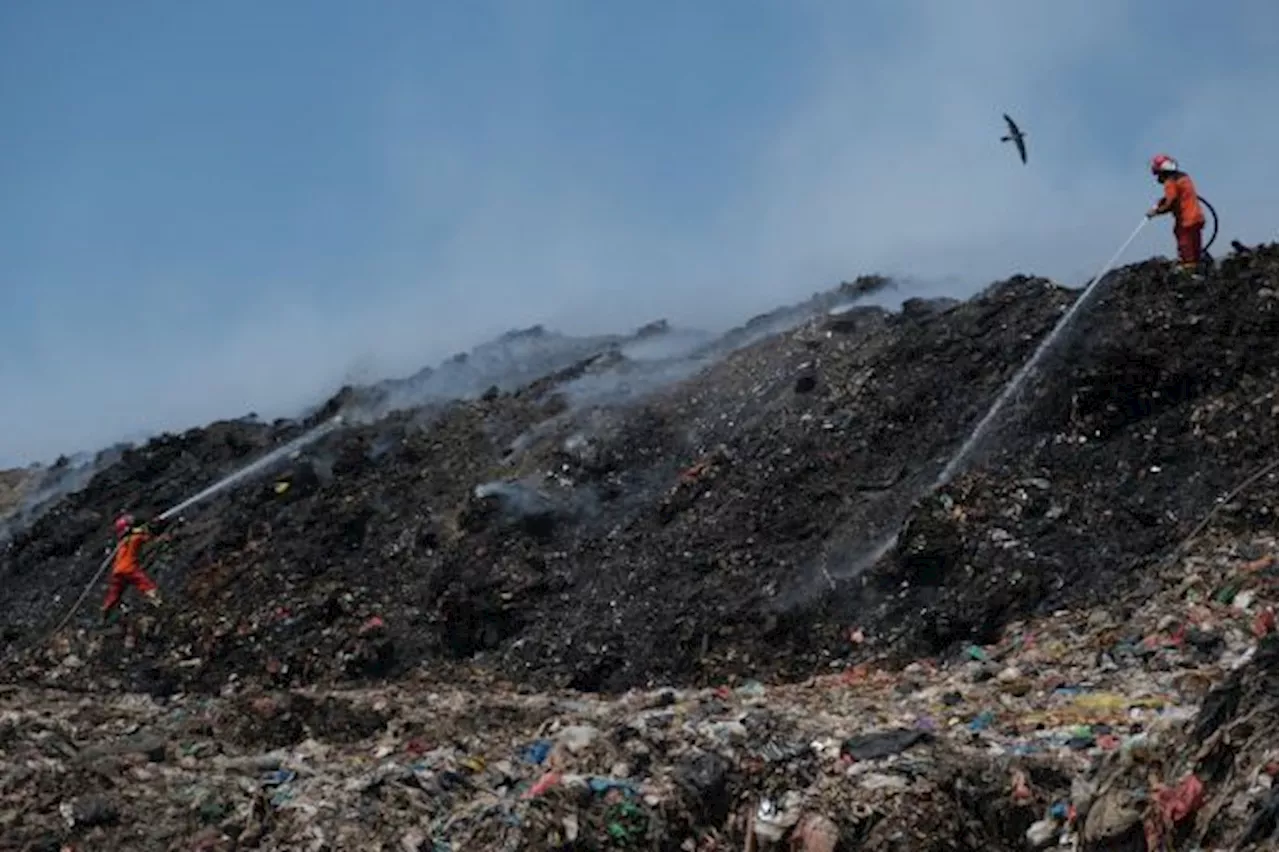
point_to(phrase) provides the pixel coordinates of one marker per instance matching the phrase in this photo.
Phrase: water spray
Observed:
(961, 455)
(221, 485)
(1020, 377)
(249, 470)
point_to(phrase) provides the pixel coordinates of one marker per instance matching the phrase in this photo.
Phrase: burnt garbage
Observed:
(673, 524)
(1039, 621)
(523, 506)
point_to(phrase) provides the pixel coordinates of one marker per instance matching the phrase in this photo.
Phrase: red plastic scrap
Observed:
(1178, 803)
(542, 785)
(1021, 789)
(1173, 804)
(374, 623)
(1264, 622)
(1155, 641)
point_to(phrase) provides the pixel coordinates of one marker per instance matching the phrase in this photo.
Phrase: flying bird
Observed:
(1016, 137)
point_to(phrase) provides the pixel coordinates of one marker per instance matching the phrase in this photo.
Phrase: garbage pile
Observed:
(716, 526)
(740, 590)
(1150, 722)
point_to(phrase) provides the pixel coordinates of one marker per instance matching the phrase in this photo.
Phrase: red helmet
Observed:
(123, 523)
(1163, 163)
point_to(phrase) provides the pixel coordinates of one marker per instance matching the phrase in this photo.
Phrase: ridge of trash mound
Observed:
(306, 534)
(519, 358)
(532, 357)
(707, 529)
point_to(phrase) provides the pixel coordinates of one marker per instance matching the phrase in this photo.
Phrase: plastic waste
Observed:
(774, 821)
(883, 743)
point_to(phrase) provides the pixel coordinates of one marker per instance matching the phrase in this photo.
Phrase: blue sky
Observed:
(216, 208)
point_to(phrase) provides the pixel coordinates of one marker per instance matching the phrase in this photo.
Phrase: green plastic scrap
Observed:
(628, 821)
(630, 809)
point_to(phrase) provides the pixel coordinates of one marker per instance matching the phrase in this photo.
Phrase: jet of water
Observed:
(257, 466)
(219, 486)
(887, 543)
(862, 563)
(979, 431)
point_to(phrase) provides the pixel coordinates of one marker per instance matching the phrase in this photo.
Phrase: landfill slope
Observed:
(699, 530)
(702, 522)
(1162, 403)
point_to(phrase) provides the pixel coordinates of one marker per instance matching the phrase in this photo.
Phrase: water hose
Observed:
(149, 561)
(227, 481)
(75, 606)
(1213, 236)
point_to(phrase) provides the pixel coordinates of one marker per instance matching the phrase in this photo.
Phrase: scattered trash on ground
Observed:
(649, 630)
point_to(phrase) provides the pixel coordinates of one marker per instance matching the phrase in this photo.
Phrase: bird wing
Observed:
(1016, 135)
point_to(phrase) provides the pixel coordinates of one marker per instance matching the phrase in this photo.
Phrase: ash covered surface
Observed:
(712, 526)
(609, 523)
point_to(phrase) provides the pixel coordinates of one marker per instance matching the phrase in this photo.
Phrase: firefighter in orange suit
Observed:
(1181, 200)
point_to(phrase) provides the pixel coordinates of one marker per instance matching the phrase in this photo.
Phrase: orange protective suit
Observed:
(126, 570)
(1181, 200)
